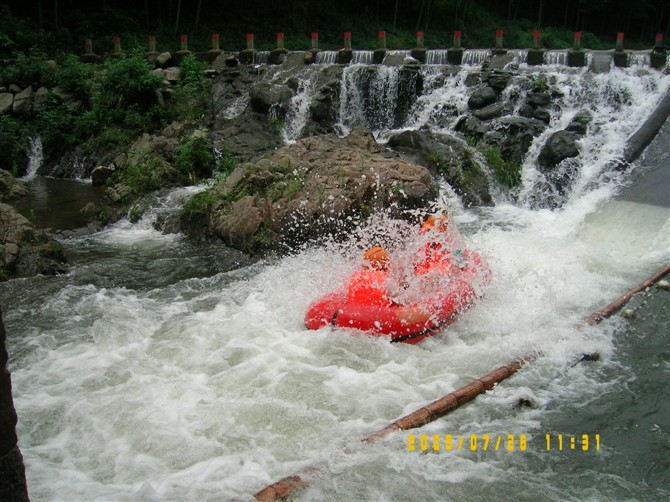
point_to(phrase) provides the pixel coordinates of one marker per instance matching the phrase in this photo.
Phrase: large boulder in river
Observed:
(560, 146)
(26, 250)
(270, 98)
(482, 97)
(10, 187)
(321, 185)
(450, 158)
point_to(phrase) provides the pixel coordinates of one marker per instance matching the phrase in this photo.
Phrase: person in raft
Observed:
(443, 249)
(368, 286)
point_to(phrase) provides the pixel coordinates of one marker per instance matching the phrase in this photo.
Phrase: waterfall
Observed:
(326, 57)
(368, 97)
(618, 102)
(556, 57)
(600, 61)
(474, 57)
(640, 58)
(362, 57)
(261, 57)
(519, 56)
(35, 158)
(298, 113)
(437, 56)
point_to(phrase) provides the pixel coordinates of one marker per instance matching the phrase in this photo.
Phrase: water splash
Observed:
(639, 58)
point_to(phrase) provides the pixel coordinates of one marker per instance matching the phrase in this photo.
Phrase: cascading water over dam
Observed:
(160, 368)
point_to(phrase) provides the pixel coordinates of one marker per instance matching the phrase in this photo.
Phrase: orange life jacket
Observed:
(432, 258)
(368, 287)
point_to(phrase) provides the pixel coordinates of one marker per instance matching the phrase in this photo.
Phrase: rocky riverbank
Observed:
(24, 249)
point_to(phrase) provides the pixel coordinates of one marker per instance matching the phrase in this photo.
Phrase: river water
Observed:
(162, 369)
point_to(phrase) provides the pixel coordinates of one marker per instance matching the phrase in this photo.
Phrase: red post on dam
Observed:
(659, 41)
(535, 54)
(619, 42)
(382, 40)
(419, 52)
(576, 56)
(419, 39)
(345, 55)
(620, 56)
(657, 56)
(576, 45)
(379, 54)
(215, 42)
(117, 45)
(315, 40)
(152, 44)
(280, 41)
(247, 55)
(499, 39)
(455, 54)
(88, 56)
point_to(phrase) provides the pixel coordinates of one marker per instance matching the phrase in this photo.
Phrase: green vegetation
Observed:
(507, 173)
(202, 202)
(194, 159)
(192, 100)
(144, 176)
(93, 106)
(12, 143)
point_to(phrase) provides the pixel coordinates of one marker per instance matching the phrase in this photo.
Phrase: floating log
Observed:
(285, 486)
(613, 307)
(451, 401)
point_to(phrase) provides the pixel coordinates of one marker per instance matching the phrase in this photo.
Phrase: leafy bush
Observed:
(13, 145)
(144, 177)
(29, 70)
(195, 159)
(124, 83)
(124, 99)
(74, 76)
(192, 94)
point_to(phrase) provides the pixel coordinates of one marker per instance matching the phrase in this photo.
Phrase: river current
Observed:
(162, 369)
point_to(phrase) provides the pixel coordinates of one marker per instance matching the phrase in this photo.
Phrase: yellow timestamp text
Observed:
(472, 442)
(583, 442)
(501, 442)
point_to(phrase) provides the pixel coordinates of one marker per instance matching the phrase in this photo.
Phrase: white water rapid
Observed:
(161, 369)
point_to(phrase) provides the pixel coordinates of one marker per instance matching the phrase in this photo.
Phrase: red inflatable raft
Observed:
(403, 323)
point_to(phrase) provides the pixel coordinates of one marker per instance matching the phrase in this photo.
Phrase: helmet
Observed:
(439, 223)
(377, 257)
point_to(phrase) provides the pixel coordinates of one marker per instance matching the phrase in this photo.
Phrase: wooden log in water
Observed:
(432, 411)
(613, 307)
